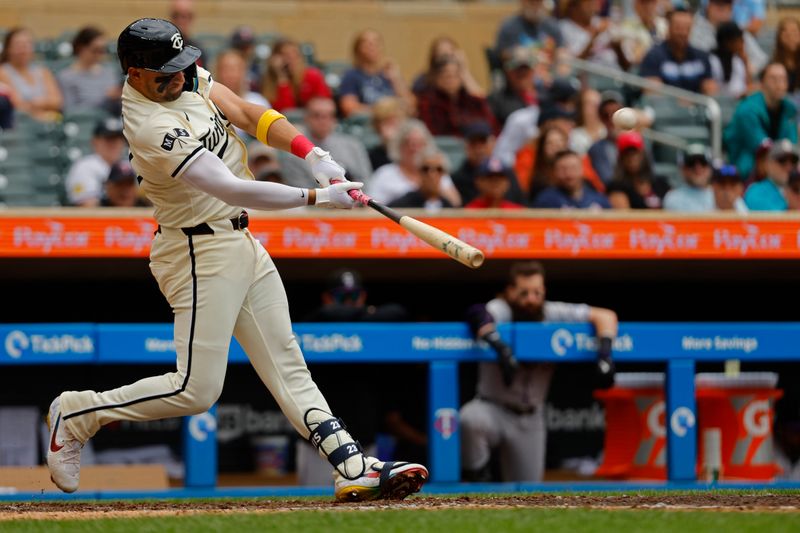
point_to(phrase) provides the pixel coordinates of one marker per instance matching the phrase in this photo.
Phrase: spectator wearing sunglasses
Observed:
(695, 195)
(432, 165)
(90, 83)
(770, 194)
(728, 187)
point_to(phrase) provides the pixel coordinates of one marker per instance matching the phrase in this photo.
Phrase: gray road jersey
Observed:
(531, 383)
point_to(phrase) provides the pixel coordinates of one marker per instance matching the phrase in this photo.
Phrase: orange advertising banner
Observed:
(357, 236)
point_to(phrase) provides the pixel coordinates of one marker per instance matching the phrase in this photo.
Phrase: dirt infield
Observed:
(756, 502)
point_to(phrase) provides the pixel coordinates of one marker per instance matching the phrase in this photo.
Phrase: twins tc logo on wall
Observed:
(446, 422)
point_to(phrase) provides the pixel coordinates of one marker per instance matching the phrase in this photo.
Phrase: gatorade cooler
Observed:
(742, 408)
(635, 442)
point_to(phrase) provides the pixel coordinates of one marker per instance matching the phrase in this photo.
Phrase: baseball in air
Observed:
(625, 118)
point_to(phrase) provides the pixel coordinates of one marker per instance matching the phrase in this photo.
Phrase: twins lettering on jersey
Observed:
(214, 135)
(212, 138)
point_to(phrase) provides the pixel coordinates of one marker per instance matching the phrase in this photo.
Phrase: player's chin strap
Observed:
(330, 436)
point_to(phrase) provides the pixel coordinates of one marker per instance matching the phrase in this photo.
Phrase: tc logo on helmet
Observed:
(177, 41)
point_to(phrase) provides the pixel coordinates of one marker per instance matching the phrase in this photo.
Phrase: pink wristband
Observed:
(301, 146)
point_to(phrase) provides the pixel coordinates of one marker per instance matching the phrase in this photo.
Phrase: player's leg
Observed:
(481, 425)
(205, 292)
(265, 332)
(522, 454)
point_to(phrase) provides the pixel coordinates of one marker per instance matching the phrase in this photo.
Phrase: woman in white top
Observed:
(35, 90)
(89, 82)
(402, 176)
(729, 66)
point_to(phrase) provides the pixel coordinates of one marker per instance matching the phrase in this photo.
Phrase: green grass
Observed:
(448, 520)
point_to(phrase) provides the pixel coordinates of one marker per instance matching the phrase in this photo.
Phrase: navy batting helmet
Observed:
(156, 45)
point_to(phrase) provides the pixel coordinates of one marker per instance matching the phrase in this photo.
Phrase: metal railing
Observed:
(714, 113)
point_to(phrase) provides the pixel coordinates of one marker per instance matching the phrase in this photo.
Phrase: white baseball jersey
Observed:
(166, 137)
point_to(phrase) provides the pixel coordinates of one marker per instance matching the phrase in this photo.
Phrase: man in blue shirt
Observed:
(695, 195)
(770, 194)
(674, 62)
(570, 189)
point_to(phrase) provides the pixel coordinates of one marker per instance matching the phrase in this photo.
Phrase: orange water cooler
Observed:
(635, 439)
(742, 408)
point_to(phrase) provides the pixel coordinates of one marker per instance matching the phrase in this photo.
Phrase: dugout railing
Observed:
(443, 346)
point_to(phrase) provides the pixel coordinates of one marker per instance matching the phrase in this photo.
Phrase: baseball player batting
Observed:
(218, 279)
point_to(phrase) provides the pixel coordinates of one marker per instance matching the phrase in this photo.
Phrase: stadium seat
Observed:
(334, 70)
(454, 148)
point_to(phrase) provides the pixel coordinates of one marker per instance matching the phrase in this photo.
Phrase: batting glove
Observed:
(605, 365)
(324, 168)
(338, 195)
(505, 357)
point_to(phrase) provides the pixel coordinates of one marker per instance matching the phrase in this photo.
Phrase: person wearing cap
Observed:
(345, 298)
(588, 36)
(480, 144)
(243, 40)
(676, 62)
(493, 181)
(216, 276)
(519, 90)
(84, 181)
(289, 83)
(695, 195)
(570, 189)
(704, 33)
(768, 113)
(320, 125)
(634, 176)
(771, 193)
(603, 153)
(531, 27)
(446, 106)
(120, 188)
(728, 187)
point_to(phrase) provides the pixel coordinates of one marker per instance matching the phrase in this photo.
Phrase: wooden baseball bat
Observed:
(457, 249)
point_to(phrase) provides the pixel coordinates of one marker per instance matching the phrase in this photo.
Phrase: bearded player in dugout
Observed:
(507, 413)
(218, 279)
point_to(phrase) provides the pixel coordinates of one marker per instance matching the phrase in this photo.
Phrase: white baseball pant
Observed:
(218, 285)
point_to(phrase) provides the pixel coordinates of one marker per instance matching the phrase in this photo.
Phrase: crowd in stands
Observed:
(541, 135)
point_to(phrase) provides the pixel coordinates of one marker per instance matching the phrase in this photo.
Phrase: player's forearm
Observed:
(209, 174)
(604, 321)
